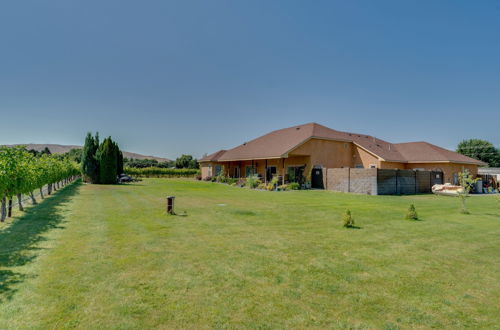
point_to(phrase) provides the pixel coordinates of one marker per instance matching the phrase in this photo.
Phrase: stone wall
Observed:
(354, 180)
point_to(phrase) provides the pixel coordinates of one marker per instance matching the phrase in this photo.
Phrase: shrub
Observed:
(107, 154)
(221, 178)
(262, 186)
(274, 182)
(231, 181)
(253, 182)
(347, 219)
(283, 187)
(294, 186)
(466, 181)
(412, 213)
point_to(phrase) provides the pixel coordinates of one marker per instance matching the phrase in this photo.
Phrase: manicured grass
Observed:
(95, 256)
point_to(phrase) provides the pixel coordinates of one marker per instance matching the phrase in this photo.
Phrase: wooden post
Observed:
(170, 205)
(283, 172)
(9, 213)
(265, 173)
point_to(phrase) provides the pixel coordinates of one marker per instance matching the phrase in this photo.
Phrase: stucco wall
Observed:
(205, 170)
(362, 157)
(324, 153)
(448, 169)
(391, 165)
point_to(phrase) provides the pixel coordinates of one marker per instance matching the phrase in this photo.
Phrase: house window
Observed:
(358, 166)
(249, 170)
(270, 172)
(218, 169)
(373, 166)
(295, 174)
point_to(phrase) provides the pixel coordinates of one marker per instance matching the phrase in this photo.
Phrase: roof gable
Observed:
(427, 152)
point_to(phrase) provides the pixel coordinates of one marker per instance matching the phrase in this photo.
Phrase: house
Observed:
(296, 154)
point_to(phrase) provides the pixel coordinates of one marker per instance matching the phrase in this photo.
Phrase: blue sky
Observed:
(172, 77)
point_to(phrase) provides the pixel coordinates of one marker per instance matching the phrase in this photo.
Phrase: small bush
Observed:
(294, 186)
(253, 182)
(274, 183)
(208, 178)
(262, 186)
(412, 213)
(221, 178)
(198, 177)
(283, 187)
(347, 219)
(231, 181)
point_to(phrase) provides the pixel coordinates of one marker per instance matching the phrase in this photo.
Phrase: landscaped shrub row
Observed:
(254, 182)
(159, 172)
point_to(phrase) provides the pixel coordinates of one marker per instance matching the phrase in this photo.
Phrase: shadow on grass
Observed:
(353, 227)
(18, 241)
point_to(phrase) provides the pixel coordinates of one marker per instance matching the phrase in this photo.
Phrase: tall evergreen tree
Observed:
(120, 161)
(108, 161)
(90, 163)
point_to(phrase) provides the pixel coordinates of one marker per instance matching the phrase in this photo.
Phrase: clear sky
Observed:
(173, 77)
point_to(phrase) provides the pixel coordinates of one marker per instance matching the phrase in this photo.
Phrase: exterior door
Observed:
(437, 178)
(317, 178)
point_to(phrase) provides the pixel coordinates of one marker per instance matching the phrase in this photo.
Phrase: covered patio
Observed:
(291, 169)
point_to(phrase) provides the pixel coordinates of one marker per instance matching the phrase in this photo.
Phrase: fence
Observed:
(381, 181)
(355, 180)
(406, 182)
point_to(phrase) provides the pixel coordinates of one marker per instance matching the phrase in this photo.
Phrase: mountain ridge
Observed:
(61, 148)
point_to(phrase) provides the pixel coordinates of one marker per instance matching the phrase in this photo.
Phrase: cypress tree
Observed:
(120, 161)
(108, 161)
(90, 164)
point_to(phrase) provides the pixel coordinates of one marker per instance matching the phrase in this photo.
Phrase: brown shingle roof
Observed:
(417, 152)
(279, 143)
(212, 157)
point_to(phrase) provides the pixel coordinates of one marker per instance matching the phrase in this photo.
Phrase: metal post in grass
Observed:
(170, 205)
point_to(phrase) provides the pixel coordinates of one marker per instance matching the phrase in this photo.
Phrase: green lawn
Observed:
(94, 256)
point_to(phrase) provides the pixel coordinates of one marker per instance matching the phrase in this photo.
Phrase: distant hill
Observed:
(60, 149)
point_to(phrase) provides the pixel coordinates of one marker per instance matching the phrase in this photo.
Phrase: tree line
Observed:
(21, 173)
(101, 163)
(184, 161)
(481, 150)
(162, 172)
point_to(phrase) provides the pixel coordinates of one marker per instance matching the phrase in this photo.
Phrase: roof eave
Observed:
(446, 161)
(245, 159)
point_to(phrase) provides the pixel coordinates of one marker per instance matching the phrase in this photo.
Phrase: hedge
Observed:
(162, 172)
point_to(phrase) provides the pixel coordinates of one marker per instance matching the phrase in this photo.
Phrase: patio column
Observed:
(265, 173)
(283, 172)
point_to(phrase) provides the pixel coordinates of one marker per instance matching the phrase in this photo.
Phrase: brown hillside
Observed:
(58, 149)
